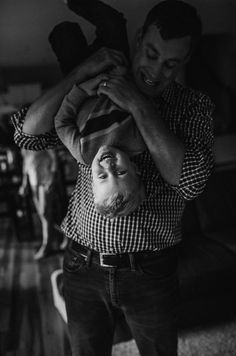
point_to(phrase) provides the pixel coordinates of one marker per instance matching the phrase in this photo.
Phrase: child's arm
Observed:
(66, 125)
(65, 120)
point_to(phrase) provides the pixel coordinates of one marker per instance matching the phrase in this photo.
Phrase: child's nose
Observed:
(108, 163)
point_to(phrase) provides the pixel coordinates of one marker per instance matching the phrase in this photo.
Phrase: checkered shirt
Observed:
(155, 225)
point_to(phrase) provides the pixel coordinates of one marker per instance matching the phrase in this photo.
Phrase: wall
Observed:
(25, 25)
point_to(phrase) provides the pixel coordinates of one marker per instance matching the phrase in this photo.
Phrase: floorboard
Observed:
(29, 322)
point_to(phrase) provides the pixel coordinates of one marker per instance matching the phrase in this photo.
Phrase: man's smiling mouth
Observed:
(149, 82)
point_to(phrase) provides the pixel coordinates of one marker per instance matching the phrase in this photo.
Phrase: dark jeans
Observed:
(69, 43)
(147, 296)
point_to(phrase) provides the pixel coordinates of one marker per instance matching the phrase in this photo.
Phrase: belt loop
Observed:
(132, 262)
(89, 257)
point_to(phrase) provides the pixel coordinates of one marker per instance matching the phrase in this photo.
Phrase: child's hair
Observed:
(121, 204)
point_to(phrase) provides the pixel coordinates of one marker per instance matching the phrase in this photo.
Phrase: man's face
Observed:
(156, 62)
(112, 171)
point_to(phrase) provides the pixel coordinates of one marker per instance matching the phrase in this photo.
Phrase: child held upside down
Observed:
(97, 133)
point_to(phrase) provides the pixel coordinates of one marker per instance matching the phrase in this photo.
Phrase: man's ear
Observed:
(187, 58)
(189, 54)
(138, 37)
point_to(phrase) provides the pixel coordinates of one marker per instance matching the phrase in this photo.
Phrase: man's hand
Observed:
(122, 91)
(103, 60)
(91, 86)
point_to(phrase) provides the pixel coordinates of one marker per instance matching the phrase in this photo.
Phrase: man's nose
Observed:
(155, 71)
(159, 71)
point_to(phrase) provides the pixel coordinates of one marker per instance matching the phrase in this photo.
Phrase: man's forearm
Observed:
(40, 116)
(165, 147)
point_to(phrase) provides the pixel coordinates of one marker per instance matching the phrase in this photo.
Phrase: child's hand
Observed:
(119, 71)
(91, 86)
(103, 60)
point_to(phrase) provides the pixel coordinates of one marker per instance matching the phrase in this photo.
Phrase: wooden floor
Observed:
(30, 325)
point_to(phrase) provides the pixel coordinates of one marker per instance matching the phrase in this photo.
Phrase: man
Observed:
(129, 264)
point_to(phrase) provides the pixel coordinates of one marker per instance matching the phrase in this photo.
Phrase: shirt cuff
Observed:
(28, 141)
(196, 169)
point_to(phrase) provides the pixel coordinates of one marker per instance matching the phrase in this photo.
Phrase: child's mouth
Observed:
(106, 156)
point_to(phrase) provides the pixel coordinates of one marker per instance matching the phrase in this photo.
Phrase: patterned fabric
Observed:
(156, 223)
(85, 124)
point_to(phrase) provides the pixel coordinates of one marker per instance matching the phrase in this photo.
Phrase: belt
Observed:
(122, 260)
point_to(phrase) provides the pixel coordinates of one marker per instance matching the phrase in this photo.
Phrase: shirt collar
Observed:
(168, 92)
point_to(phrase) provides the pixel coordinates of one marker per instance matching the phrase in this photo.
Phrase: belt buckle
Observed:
(101, 256)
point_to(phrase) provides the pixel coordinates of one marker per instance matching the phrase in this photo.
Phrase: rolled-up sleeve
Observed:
(44, 141)
(196, 131)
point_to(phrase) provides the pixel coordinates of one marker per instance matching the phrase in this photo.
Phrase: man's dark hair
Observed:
(175, 19)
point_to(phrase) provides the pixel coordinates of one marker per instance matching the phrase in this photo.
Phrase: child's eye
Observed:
(121, 173)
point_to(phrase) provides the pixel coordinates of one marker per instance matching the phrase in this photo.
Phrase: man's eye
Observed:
(151, 55)
(170, 65)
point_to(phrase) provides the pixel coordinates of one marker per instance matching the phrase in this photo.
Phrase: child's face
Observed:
(112, 171)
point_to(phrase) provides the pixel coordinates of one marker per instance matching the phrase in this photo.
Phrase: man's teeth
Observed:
(149, 82)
